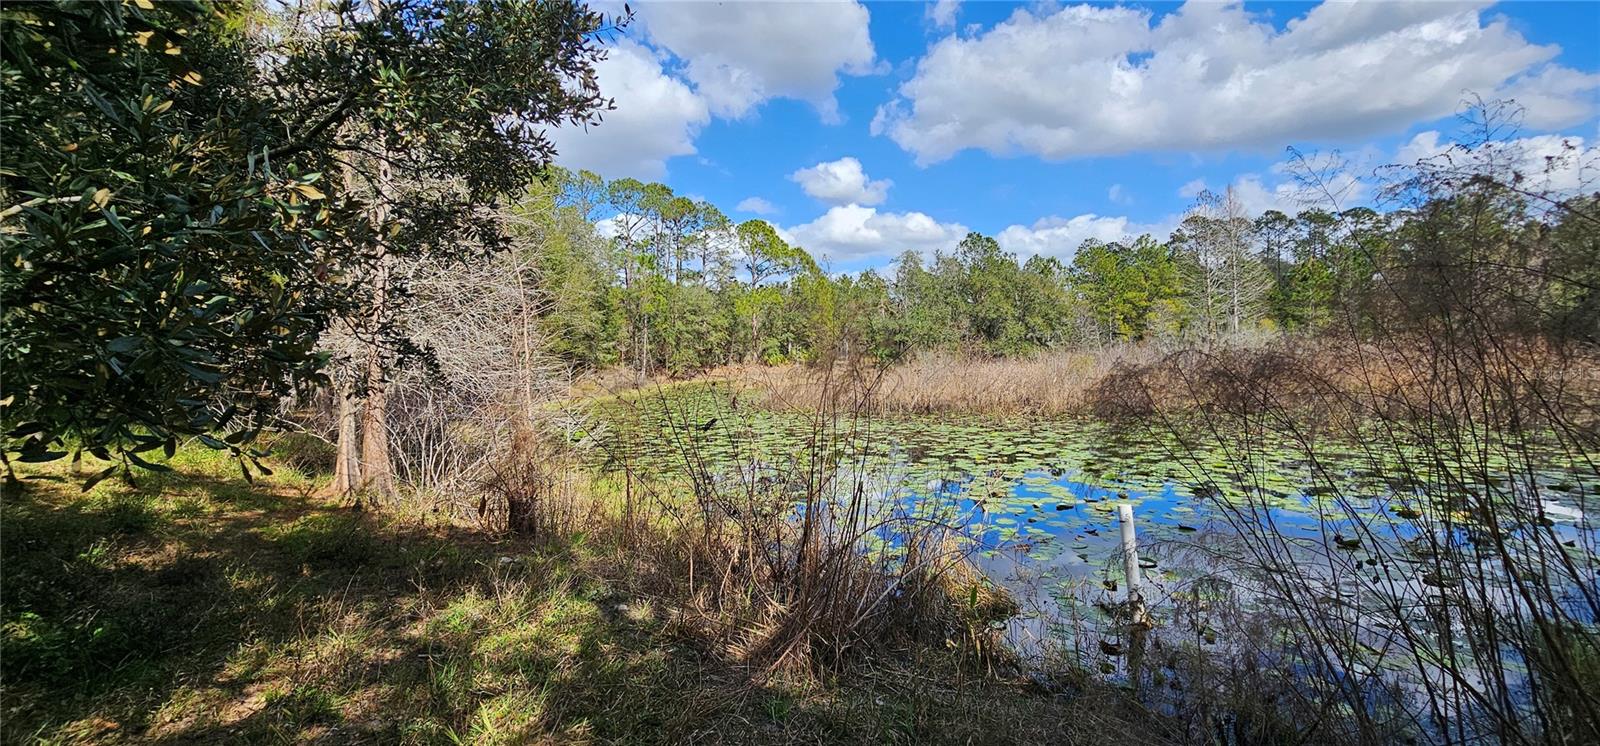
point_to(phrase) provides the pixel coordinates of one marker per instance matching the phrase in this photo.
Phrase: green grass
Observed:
(197, 608)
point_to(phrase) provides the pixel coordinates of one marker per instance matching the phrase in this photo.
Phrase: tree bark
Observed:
(644, 347)
(755, 337)
(527, 315)
(377, 473)
(347, 463)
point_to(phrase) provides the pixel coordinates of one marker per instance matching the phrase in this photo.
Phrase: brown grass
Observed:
(1057, 382)
(1461, 423)
(1346, 383)
(197, 609)
(1395, 378)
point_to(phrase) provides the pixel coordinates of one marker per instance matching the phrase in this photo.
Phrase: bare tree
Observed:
(1228, 285)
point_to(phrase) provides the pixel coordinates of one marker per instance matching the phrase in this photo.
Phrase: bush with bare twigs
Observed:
(1470, 615)
(809, 564)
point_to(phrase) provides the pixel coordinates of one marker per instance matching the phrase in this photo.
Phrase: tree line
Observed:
(673, 285)
(213, 208)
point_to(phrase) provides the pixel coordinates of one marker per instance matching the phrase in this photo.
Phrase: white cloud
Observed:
(943, 13)
(756, 205)
(1563, 164)
(1555, 96)
(1085, 80)
(1424, 146)
(1287, 197)
(1560, 164)
(739, 54)
(855, 232)
(1192, 189)
(657, 117)
(614, 226)
(1328, 181)
(841, 182)
(1061, 237)
(1118, 194)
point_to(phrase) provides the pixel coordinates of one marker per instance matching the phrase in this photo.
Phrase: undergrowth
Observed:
(194, 608)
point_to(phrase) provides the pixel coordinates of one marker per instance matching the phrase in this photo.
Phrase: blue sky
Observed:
(863, 130)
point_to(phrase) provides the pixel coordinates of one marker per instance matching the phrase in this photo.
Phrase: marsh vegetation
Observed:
(336, 412)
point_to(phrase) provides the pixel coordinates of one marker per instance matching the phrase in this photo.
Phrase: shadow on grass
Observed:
(198, 609)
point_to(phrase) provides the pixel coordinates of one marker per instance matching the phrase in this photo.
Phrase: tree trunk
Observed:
(1233, 310)
(347, 464)
(377, 473)
(644, 347)
(527, 313)
(755, 337)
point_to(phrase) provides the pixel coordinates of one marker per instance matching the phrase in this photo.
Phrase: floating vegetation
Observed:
(1040, 499)
(1050, 465)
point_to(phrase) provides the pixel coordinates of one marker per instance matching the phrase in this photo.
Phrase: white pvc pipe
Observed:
(1130, 549)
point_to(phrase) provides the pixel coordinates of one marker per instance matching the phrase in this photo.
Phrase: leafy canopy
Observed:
(182, 215)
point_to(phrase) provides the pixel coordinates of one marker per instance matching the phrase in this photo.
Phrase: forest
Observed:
(338, 408)
(677, 288)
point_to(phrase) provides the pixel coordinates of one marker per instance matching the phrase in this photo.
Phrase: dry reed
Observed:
(1055, 382)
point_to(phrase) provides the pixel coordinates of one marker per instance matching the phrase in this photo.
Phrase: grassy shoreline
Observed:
(1459, 482)
(196, 608)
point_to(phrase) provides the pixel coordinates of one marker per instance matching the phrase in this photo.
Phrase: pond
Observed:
(1038, 500)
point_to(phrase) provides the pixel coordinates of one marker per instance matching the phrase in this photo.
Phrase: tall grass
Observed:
(1052, 382)
(1447, 601)
(807, 563)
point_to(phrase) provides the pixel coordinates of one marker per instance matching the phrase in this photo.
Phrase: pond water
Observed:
(1051, 487)
(1039, 497)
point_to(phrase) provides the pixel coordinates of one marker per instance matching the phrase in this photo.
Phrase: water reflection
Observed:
(1228, 529)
